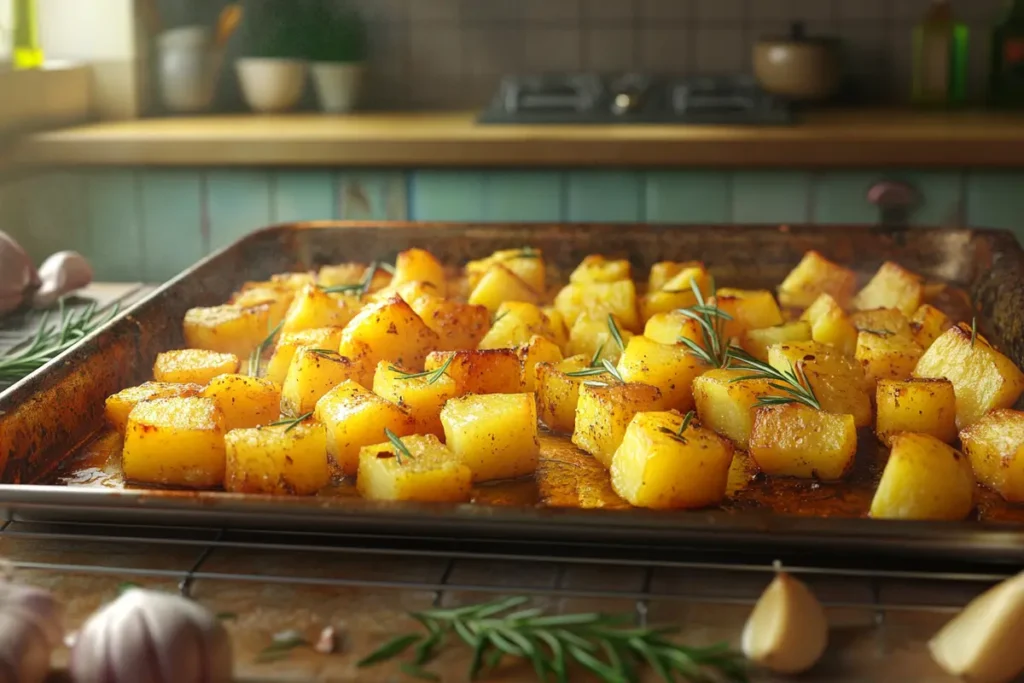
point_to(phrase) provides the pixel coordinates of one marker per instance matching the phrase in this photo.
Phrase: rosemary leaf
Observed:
(881, 333)
(498, 318)
(794, 382)
(362, 288)
(390, 649)
(974, 329)
(434, 375)
(400, 448)
(613, 329)
(597, 355)
(687, 419)
(256, 357)
(714, 348)
(292, 423)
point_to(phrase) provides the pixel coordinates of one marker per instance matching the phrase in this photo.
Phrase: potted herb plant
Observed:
(337, 52)
(272, 72)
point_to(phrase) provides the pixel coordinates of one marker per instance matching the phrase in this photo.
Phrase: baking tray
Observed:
(45, 416)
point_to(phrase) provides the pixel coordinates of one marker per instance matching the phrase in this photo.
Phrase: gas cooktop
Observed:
(634, 98)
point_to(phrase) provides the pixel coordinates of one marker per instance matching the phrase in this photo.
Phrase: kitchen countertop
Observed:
(825, 139)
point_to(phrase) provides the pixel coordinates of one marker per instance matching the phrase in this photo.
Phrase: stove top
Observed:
(633, 99)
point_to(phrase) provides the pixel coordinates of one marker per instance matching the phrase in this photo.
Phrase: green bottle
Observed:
(1006, 79)
(940, 58)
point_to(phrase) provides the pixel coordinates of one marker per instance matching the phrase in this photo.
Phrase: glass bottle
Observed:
(1006, 78)
(27, 52)
(940, 58)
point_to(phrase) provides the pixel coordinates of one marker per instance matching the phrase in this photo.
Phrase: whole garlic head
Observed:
(17, 274)
(151, 637)
(982, 643)
(787, 632)
(31, 627)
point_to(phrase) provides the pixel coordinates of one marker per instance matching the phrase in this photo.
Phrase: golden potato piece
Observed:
(428, 473)
(458, 325)
(657, 467)
(227, 329)
(538, 350)
(604, 411)
(422, 395)
(526, 263)
(927, 324)
(893, 286)
(313, 307)
(661, 273)
(498, 285)
(193, 366)
(118, 406)
(514, 323)
(559, 330)
(670, 327)
(352, 274)
(726, 405)
(312, 374)
(491, 371)
(924, 479)
(596, 268)
(830, 324)
(245, 401)
(794, 440)
(317, 338)
(494, 435)
(925, 406)
(838, 381)
(592, 332)
(389, 330)
(995, 447)
(882, 320)
(756, 342)
(749, 309)
(568, 477)
(600, 299)
(887, 356)
(280, 460)
(418, 265)
(816, 275)
(175, 442)
(670, 368)
(558, 392)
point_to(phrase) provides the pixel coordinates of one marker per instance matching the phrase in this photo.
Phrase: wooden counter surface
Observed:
(832, 139)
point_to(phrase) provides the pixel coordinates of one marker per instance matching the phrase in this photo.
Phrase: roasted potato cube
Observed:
(604, 411)
(492, 371)
(193, 366)
(559, 330)
(982, 378)
(514, 324)
(569, 478)
(275, 298)
(227, 329)
(893, 286)
(389, 330)
(352, 274)
(659, 302)
(458, 325)
(558, 392)
(756, 342)
(927, 324)
(924, 406)
(600, 298)
(407, 291)
(794, 440)
(495, 435)
(498, 285)
(889, 320)
(119, 406)
(293, 281)
(669, 328)
(726, 405)
(661, 273)
(816, 275)
(676, 292)
(749, 309)
(830, 324)
(284, 352)
(428, 473)
(924, 479)
(313, 307)
(656, 467)
(280, 460)
(593, 332)
(245, 401)
(355, 417)
(693, 273)
(422, 396)
(838, 381)
(418, 265)
(312, 374)
(887, 356)
(527, 263)
(596, 268)
(670, 368)
(175, 442)
(538, 350)
(994, 445)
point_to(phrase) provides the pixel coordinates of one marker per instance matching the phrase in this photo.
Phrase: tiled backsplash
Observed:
(449, 53)
(151, 224)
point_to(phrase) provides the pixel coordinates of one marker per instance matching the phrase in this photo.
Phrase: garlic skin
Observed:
(60, 274)
(982, 643)
(31, 627)
(151, 637)
(788, 631)
(17, 274)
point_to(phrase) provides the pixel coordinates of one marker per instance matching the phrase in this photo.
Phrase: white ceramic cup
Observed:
(271, 85)
(338, 85)
(188, 68)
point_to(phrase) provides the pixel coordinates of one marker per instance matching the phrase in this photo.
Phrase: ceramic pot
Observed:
(188, 69)
(798, 67)
(271, 85)
(338, 85)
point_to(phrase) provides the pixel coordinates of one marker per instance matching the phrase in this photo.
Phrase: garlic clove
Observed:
(36, 605)
(60, 274)
(24, 649)
(787, 632)
(982, 643)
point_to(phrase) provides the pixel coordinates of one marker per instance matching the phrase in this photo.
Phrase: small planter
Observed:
(338, 85)
(271, 85)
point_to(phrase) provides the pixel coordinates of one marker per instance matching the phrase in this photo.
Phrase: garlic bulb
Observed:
(982, 643)
(17, 274)
(31, 627)
(60, 274)
(787, 632)
(150, 637)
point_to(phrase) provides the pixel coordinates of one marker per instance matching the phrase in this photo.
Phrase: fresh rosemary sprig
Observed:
(433, 375)
(292, 422)
(880, 333)
(597, 354)
(603, 367)
(613, 329)
(606, 645)
(793, 382)
(498, 317)
(325, 353)
(974, 329)
(51, 341)
(400, 448)
(678, 434)
(363, 286)
(256, 357)
(714, 350)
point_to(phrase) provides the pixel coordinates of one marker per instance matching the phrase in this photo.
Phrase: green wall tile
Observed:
(373, 195)
(171, 202)
(304, 196)
(996, 200)
(841, 198)
(942, 203)
(237, 202)
(604, 197)
(115, 226)
(447, 196)
(687, 197)
(526, 196)
(770, 196)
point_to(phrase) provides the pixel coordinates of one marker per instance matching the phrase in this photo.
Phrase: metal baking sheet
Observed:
(46, 416)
